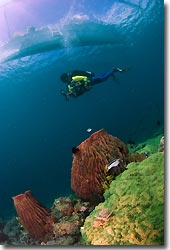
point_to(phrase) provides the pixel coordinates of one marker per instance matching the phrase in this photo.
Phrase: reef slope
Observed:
(135, 207)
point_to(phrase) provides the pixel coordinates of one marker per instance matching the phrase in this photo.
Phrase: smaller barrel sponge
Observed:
(89, 176)
(35, 218)
(133, 210)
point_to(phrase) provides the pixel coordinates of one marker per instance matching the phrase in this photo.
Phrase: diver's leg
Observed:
(103, 77)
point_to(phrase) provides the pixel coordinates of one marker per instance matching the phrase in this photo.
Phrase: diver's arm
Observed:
(66, 95)
(89, 73)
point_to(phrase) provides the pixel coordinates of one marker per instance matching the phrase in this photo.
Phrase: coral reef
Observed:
(89, 175)
(135, 203)
(136, 157)
(69, 215)
(3, 237)
(148, 147)
(35, 218)
(161, 144)
(132, 213)
(16, 233)
(102, 217)
(10, 231)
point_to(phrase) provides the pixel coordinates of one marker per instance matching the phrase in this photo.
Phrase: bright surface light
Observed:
(4, 2)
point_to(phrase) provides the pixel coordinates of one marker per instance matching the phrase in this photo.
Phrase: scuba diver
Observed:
(79, 81)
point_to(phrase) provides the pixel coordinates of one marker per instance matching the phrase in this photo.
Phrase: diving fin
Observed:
(121, 70)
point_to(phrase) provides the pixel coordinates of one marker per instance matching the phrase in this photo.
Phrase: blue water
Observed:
(38, 127)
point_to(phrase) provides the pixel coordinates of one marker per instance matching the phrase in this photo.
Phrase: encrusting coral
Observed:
(102, 217)
(34, 217)
(90, 175)
(135, 203)
(149, 146)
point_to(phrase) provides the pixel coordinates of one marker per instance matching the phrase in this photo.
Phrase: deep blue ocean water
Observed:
(38, 127)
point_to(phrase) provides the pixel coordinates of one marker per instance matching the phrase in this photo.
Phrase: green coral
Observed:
(150, 146)
(136, 198)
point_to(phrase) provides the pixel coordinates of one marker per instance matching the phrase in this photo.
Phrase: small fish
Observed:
(89, 130)
(75, 150)
(113, 163)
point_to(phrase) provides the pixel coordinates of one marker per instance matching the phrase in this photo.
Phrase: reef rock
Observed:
(133, 211)
(59, 225)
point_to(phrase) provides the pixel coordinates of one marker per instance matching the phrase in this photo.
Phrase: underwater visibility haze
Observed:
(38, 126)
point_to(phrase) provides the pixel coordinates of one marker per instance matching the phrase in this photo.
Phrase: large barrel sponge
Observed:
(89, 176)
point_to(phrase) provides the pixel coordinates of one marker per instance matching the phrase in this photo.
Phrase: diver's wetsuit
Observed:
(103, 77)
(88, 80)
(91, 76)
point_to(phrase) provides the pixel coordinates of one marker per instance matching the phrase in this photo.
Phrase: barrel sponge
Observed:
(88, 175)
(35, 218)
